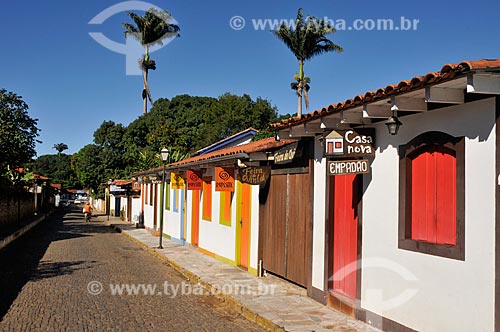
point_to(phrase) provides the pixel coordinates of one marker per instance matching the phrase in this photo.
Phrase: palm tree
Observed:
(306, 40)
(60, 147)
(150, 29)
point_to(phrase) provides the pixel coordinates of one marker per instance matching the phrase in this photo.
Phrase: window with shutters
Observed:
(431, 196)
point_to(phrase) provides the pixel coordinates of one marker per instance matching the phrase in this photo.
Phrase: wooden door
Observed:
(345, 234)
(286, 220)
(274, 224)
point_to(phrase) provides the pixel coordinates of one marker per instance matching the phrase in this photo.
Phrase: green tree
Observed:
(306, 40)
(56, 167)
(152, 28)
(18, 131)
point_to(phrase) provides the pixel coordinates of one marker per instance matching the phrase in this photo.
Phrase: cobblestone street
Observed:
(48, 277)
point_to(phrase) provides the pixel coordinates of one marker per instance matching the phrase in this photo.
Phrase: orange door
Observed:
(345, 234)
(195, 218)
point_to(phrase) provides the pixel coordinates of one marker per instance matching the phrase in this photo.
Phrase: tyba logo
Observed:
(132, 49)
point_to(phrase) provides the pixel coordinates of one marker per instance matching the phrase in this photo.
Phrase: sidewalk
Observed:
(274, 303)
(10, 233)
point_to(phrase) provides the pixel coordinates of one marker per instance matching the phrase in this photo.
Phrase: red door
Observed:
(345, 234)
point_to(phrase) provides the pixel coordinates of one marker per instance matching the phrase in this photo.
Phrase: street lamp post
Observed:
(164, 157)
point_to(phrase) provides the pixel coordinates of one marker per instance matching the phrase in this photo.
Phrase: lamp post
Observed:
(108, 201)
(164, 157)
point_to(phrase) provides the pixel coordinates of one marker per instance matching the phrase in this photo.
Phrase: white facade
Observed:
(447, 289)
(417, 290)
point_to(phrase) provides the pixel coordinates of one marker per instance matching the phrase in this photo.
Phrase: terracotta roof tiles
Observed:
(448, 72)
(257, 146)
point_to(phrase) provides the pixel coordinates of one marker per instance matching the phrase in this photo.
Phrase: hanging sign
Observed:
(224, 179)
(255, 175)
(176, 181)
(114, 188)
(343, 167)
(357, 142)
(288, 153)
(194, 181)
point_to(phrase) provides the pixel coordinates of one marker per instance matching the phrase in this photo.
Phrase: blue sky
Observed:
(72, 84)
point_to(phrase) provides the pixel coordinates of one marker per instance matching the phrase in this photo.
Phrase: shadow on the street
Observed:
(20, 260)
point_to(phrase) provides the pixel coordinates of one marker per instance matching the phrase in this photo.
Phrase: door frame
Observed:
(239, 225)
(334, 299)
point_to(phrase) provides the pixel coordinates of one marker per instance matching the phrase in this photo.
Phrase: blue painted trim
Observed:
(227, 142)
(178, 241)
(175, 206)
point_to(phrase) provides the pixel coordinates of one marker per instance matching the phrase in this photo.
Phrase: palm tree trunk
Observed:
(299, 106)
(144, 90)
(300, 87)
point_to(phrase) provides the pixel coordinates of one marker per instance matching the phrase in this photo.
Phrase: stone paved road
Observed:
(44, 278)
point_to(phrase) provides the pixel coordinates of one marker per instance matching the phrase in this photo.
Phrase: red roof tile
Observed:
(257, 146)
(448, 72)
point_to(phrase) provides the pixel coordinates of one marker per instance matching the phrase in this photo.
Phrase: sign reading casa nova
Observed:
(350, 143)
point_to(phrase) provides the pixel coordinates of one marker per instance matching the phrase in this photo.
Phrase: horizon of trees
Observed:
(184, 124)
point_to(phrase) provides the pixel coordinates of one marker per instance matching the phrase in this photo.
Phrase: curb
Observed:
(240, 307)
(20, 232)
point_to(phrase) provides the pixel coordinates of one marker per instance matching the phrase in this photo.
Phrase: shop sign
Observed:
(194, 181)
(357, 142)
(255, 175)
(116, 188)
(224, 179)
(288, 153)
(176, 181)
(344, 167)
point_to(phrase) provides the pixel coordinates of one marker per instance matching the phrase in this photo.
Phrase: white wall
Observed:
(318, 236)
(451, 295)
(149, 209)
(172, 220)
(254, 228)
(136, 210)
(213, 236)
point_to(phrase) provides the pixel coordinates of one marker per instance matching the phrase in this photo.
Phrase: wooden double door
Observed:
(285, 227)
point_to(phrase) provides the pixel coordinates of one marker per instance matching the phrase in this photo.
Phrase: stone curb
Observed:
(20, 232)
(240, 307)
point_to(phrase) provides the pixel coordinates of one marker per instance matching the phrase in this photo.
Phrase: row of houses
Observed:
(384, 206)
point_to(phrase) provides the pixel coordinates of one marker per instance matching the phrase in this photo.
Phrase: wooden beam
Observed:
(486, 84)
(376, 111)
(408, 104)
(329, 122)
(439, 95)
(313, 128)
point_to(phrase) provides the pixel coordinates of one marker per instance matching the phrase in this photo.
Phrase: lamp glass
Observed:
(164, 154)
(393, 124)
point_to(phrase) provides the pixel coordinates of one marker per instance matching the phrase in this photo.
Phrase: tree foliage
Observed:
(56, 167)
(18, 131)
